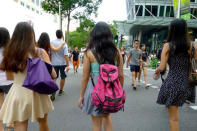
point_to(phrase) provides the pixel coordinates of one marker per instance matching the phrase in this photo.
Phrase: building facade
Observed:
(33, 5)
(14, 11)
(148, 21)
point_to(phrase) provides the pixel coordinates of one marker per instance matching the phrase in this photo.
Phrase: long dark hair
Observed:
(44, 41)
(4, 37)
(101, 39)
(21, 45)
(178, 35)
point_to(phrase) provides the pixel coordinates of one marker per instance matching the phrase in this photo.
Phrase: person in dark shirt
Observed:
(75, 59)
(144, 64)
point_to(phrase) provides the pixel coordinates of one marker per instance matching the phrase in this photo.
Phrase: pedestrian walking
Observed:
(60, 61)
(75, 59)
(44, 43)
(144, 66)
(6, 78)
(101, 48)
(21, 103)
(123, 53)
(175, 90)
(164, 73)
(135, 60)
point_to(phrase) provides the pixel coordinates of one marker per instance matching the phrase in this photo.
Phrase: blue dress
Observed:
(175, 90)
(88, 106)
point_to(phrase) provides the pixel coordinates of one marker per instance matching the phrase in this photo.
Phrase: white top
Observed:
(3, 79)
(58, 58)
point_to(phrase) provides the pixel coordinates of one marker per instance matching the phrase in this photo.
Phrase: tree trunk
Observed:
(68, 26)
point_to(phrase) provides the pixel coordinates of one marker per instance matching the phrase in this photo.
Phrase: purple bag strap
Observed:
(41, 52)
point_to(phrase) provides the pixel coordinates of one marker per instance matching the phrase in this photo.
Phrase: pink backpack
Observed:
(108, 94)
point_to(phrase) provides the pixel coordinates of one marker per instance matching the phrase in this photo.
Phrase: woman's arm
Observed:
(58, 48)
(46, 58)
(85, 75)
(120, 69)
(9, 75)
(164, 58)
(195, 53)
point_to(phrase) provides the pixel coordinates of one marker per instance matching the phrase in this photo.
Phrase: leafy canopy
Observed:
(86, 7)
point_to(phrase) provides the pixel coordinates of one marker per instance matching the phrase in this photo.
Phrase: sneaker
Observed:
(147, 87)
(52, 97)
(134, 88)
(61, 92)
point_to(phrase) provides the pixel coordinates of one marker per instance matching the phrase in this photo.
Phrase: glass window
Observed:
(154, 10)
(37, 2)
(168, 11)
(139, 10)
(192, 0)
(37, 11)
(22, 3)
(28, 7)
(147, 10)
(171, 11)
(194, 12)
(40, 3)
(32, 9)
(161, 13)
(32, 1)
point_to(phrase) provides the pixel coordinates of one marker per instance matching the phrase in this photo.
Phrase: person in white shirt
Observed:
(4, 83)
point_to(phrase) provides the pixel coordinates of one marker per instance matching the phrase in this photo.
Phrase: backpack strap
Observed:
(39, 51)
(96, 56)
(171, 48)
(192, 51)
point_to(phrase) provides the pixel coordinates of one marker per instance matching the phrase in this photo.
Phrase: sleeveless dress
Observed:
(175, 90)
(22, 103)
(88, 107)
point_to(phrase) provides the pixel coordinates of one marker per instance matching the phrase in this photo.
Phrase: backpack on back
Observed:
(108, 95)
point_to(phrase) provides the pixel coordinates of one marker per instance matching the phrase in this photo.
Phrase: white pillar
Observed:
(179, 9)
(60, 17)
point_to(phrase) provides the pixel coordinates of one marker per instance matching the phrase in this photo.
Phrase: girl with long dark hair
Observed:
(5, 84)
(175, 89)
(144, 64)
(22, 103)
(123, 53)
(101, 41)
(44, 43)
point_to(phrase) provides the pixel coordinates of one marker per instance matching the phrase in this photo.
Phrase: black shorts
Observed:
(61, 70)
(134, 68)
(5, 88)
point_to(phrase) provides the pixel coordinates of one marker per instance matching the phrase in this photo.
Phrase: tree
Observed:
(81, 36)
(114, 28)
(86, 8)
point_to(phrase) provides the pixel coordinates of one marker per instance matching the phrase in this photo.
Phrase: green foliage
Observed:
(81, 36)
(114, 29)
(85, 25)
(153, 63)
(77, 39)
(87, 7)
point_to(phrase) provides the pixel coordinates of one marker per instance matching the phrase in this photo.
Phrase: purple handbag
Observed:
(38, 78)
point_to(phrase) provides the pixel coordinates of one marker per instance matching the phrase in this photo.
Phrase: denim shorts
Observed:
(61, 70)
(134, 68)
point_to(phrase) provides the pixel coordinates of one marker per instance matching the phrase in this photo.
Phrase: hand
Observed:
(67, 69)
(80, 102)
(63, 43)
(157, 71)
